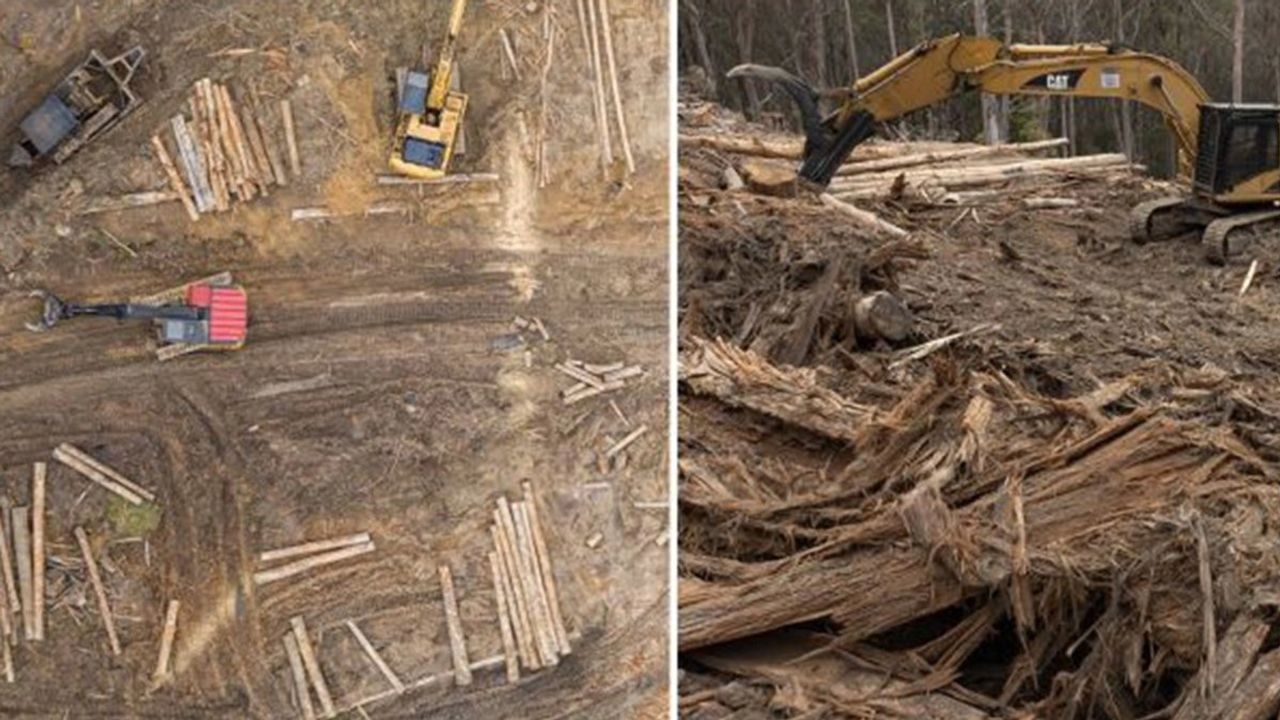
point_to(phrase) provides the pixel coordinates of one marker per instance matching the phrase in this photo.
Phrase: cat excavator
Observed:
(430, 112)
(1230, 153)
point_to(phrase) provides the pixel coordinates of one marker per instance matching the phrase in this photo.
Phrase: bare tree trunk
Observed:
(893, 38)
(1006, 102)
(1126, 106)
(818, 45)
(990, 114)
(851, 41)
(700, 43)
(1237, 60)
(745, 23)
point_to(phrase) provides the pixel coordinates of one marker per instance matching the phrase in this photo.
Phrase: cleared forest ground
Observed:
(1054, 497)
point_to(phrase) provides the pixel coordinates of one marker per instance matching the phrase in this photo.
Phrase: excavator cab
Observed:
(1238, 144)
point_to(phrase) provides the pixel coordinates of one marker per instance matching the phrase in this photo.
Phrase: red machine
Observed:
(208, 314)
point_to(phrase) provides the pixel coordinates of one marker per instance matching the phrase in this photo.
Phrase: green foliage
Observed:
(1024, 122)
(128, 520)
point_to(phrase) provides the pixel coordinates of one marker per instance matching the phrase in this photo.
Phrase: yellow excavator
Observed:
(1229, 153)
(430, 112)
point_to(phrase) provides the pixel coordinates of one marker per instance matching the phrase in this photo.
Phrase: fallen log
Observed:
(20, 519)
(453, 623)
(885, 183)
(745, 145)
(945, 156)
(500, 601)
(88, 460)
(263, 577)
(314, 546)
(167, 635)
(863, 218)
(375, 657)
(146, 198)
(312, 665)
(301, 688)
(38, 475)
(548, 575)
(99, 592)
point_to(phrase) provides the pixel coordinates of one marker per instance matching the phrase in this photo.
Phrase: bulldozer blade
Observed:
(52, 311)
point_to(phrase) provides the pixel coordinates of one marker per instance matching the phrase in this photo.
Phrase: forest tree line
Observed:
(1231, 46)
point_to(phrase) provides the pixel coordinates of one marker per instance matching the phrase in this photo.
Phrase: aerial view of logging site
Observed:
(333, 359)
(978, 415)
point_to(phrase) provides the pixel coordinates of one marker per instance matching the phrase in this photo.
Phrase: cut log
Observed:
(878, 184)
(882, 316)
(312, 665)
(175, 180)
(514, 591)
(193, 165)
(290, 138)
(167, 635)
(38, 475)
(264, 577)
(745, 145)
(314, 546)
(1047, 203)
(504, 620)
(104, 469)
(300, 686)
(375, 657)
(129, 201)
(99, 592)
(542, 604)
(547, 572)
(96, 475)
(768, 178)
(20, 524)
(13, 602)
(862, 218)
(453, 622)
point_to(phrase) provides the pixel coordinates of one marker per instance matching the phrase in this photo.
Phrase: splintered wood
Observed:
(918, 516)
(524, 581)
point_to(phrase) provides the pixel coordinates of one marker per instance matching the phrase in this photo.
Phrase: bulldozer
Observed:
(207, 314)
(1230, 154)
(430, 112)
(92, 99)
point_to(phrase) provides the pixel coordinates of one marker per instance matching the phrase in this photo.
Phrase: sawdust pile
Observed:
(1015, 514)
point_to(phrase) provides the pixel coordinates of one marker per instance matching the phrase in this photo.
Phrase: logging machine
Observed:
(430, 112)
(1229, 153)
(87, 103)
(208, 314)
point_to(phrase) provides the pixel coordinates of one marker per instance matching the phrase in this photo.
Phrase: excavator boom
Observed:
(943, 67)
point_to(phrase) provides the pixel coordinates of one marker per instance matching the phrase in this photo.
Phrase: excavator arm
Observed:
(944, 67)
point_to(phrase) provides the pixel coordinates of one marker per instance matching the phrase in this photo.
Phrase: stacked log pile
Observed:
(227, 151)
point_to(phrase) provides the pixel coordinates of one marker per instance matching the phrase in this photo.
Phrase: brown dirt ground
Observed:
(368, 396)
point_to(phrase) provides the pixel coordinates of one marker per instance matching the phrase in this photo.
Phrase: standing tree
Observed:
(990, 111)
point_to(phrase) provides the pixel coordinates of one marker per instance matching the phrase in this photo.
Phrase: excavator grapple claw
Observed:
(50, 313)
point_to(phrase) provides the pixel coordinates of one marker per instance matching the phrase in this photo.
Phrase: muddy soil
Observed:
(371, 395)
